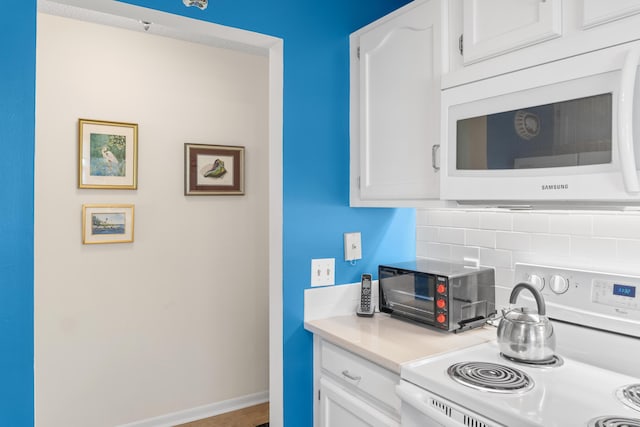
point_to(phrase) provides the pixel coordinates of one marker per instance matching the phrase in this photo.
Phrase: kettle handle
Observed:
(542, 309)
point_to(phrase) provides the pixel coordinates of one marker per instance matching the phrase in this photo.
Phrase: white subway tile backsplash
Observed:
(531, 222)
(441, 218)
(427, 234)
(496, 220)
(566, 223)
(513, 241)
(593, 248)
(581, 239)
(495, 258)
(435, 250)
(484, 238)
(626, 226)
(504, 276)
(459, 253)
(451, 235)
(629, 252)
(551, 244)
(422, 217)
(465, 219)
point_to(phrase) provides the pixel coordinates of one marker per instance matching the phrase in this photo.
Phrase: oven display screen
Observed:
(624, 290)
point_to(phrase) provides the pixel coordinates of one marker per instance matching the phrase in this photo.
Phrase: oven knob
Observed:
(441, 303)
(536, 281)
(558, 284)
(441, 288)
(441, 318)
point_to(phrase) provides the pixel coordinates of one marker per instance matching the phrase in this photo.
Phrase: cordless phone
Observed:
(365, 305)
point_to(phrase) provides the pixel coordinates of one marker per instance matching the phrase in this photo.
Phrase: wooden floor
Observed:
(248, 417)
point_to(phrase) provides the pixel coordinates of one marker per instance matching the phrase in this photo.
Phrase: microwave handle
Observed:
(625, 121)
(434, 157)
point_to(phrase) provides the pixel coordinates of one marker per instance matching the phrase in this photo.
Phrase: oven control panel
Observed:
(601, 300)
(613, 293)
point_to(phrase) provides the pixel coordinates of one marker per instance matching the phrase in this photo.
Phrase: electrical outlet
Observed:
(352, 246)
(323, 271)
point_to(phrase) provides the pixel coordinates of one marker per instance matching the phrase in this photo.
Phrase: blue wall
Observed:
(316, 176)
(17, 115)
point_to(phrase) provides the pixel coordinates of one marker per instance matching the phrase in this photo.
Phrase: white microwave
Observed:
(567, 130)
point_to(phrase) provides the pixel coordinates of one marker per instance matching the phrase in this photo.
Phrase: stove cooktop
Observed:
(568, 394)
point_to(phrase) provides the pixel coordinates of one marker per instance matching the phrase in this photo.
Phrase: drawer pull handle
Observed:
(350, 376)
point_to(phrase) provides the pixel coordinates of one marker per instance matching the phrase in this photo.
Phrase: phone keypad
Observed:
(365, 301)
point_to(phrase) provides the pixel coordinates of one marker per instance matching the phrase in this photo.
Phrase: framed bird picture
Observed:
(213, 170)
(108, 155)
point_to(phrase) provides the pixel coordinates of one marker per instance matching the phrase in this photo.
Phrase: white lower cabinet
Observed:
(341, 408)
(353, 391)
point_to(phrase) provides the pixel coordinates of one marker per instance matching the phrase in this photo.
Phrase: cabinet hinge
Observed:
(358, 183)
(460, 44)
(358, 52)
(318, 394)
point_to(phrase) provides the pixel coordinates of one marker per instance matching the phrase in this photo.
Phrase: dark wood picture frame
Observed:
(213, 170)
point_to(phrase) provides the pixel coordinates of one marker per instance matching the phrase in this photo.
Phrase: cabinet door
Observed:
(494, 27)
(340, 408)
(399, 87)
(596, 12)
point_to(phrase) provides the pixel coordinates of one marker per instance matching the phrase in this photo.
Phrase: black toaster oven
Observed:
(444, 295)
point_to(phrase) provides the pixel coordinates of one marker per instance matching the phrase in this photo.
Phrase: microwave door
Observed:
(625, 121)
(560, 131)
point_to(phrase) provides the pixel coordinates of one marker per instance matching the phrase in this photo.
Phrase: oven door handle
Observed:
(625, 121)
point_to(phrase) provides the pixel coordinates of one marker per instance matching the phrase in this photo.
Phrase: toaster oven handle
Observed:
(625, 121)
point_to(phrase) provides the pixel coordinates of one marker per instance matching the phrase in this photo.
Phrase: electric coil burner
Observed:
(594, 380)
(630, 396)
(490, 377)
(554, 362)
(612, 421)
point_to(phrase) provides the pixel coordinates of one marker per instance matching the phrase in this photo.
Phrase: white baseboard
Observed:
(201, 412)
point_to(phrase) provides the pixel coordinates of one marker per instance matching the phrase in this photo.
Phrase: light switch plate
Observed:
(323, 272)
(352, 246)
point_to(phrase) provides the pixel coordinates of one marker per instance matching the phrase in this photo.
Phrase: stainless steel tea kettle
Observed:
(524, 334)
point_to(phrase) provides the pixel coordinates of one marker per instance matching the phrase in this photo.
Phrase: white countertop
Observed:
(390, 342)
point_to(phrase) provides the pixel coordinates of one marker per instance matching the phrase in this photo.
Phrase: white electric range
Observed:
(594, 380)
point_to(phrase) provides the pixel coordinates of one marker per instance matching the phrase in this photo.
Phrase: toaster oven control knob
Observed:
(440, 303)
(536, 281)
(558, 284)
(441, 318)
(441, 288)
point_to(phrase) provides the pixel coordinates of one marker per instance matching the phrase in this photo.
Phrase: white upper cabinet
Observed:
(395, 107)
(494, 27)
(596, 12)
(500, 36)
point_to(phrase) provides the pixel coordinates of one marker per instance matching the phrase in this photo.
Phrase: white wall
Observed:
(178, 318)
(596, 240)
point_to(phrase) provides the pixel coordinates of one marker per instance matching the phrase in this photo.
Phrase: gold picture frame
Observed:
(107, 223)
(213, 170)
(108, 154)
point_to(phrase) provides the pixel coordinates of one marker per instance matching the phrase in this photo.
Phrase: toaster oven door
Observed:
(408, 294)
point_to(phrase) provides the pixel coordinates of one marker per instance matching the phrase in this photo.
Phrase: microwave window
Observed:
(569, 133)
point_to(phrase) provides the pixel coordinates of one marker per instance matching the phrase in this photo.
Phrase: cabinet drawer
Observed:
(357, 372)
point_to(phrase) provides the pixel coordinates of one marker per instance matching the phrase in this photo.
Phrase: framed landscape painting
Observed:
(108, 154)
(107, 224)
(213, 170)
